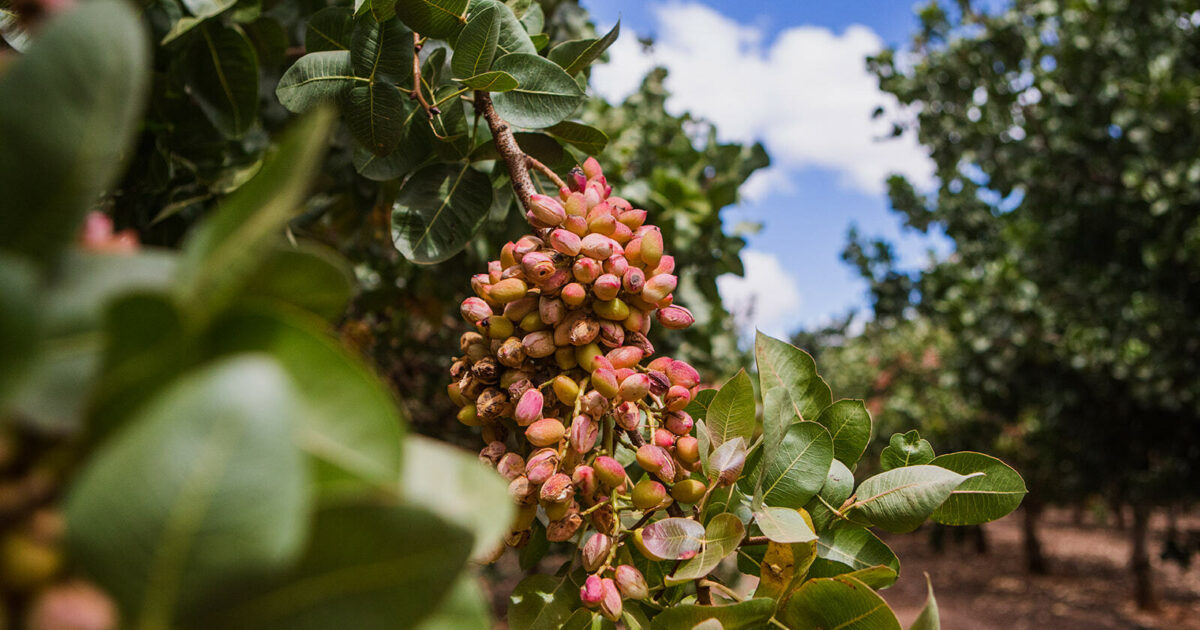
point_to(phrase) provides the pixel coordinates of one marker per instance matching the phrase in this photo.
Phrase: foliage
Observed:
(1072, 201)
(217, 449)
(174, 392)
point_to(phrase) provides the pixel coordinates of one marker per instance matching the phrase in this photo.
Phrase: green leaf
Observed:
(315, 79)
(349, 420)
(698, 408)
(982, 498)
(731, 414)
(465, 608)
(226, 248)
(576, 55)
(312, 277)
(513, 36)
(440, 19)
(877, 577)
(416, 148)
(494, 81)
(747, 615)
(438, 210)
(929, 619)
(222, 77)
(534, 19)
(201, 11)
(905, 449)
(784, 525)
(544, 602)
(798, 468)
(673, 538)
(20, 322)
(202, 490)
(540, 41)
(839, 602)
(476, 45)
(464, 491)
(899, 500)
(726, 462)
(721, 538)
(586, 138)
(839, 485)
(782, 365)
(368, 567)
(849, 424)
(381, 51)
(519, 7)
(533, 552)
(375, 115)
(331, 28)
(83, 80)
(847, 549)
(545, 95)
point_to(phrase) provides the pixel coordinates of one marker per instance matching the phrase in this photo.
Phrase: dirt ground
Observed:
(1089, 587)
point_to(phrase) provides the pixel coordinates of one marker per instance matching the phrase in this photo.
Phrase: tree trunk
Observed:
(1139, 561)
(981, 541)
(1118, 512)
(1035, 560)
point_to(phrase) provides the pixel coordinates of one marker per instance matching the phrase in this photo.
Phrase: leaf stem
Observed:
(724, 589)
(751, 541)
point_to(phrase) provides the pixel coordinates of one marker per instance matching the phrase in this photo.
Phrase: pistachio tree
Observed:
(1061, 133)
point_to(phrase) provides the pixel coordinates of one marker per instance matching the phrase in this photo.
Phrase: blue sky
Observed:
(814, 116)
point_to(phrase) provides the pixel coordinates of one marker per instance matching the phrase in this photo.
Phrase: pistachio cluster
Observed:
(558, 373)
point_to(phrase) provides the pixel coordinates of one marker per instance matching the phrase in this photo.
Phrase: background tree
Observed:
(1064, 138)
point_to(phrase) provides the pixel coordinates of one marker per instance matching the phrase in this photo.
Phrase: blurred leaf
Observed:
(331, 28)
(476, 45)
(463, 491)
(534, 19)
(747, 615)
(222, 77)
(983, 498)
(203, 491)
(840, 602)
(545, 94)
(220, 253)
(905, 449)
(588, 139)
(441, 19)
(576, 55)
(368, 567)
(309, 276)
(901, 499)
(544, 602)
(465, 608)
(721, 538)
(89, 70)
(850, 425)
(19, 321)
(438, 210)
(315, 79)
(349, 419)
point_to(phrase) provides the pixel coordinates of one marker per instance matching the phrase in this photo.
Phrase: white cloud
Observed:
(806, 95)
(766, 298)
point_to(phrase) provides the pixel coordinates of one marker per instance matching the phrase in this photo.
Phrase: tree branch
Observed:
(751, 541)
(430, 110)
(507, 147)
